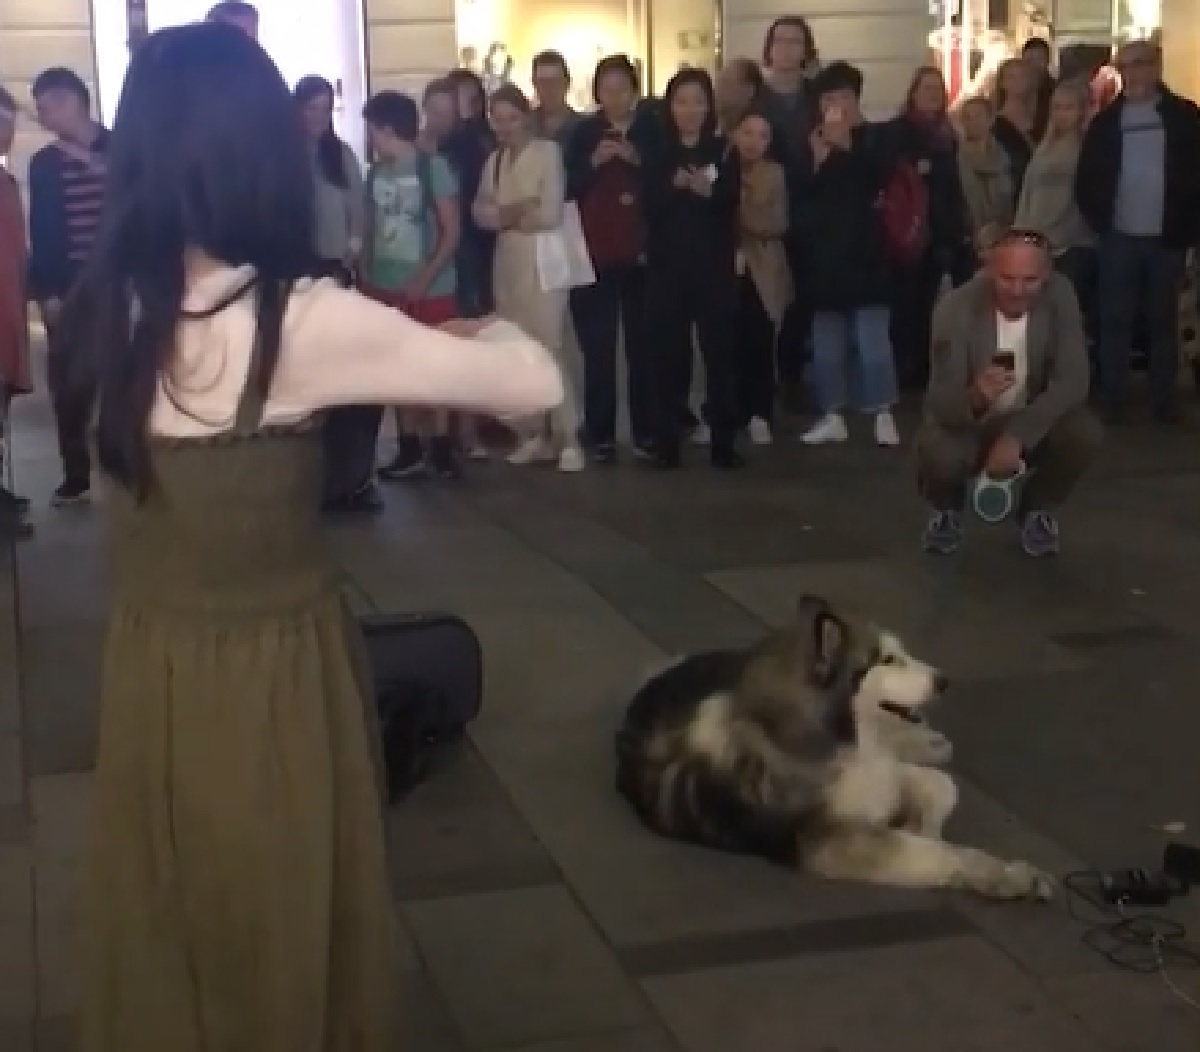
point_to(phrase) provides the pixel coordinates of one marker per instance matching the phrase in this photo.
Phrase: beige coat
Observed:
(987, 184)
(763, 220)
(534, 174)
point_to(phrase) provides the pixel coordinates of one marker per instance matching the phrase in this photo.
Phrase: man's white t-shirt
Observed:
(1010, 339)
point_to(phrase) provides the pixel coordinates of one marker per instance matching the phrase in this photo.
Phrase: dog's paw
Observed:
(1018, 880)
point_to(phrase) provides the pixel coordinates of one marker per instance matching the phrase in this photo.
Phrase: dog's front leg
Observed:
(929, 796)
(899, 858)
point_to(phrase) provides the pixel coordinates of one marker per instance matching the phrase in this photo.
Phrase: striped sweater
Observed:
(65, 200)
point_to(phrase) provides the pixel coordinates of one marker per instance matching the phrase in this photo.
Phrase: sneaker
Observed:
(943, 533)
(531, 451)
(643, 449)
(701, 435)
(604, 453)
(365, 500)
(71, 493)
(409, 461)
(12, 503)
(759, 431)
(478, 451)
(571, 459)
(726, 459)
(1039, 534)
(886, 433)
(442, 460)
(830, 428)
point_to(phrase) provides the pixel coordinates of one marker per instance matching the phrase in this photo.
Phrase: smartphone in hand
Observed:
(1005, 360)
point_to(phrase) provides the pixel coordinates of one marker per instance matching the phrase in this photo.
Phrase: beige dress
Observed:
(237, 897)
(533, 174)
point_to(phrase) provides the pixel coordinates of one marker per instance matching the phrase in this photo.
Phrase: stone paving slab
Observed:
(923, 605)
(923, 997)
(522, 966)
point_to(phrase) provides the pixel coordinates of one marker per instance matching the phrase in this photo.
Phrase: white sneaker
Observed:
(886, 433)
(571, 459)
(830, 428)
(701, 435)
(478, 451)
(760, 431)
(530, 451)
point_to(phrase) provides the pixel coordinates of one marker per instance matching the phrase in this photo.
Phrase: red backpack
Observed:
(905, 207)
(611, 216)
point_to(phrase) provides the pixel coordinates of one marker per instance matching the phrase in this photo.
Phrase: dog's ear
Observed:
(825, 636)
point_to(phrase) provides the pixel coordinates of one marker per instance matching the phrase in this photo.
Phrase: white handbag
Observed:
(563, 260)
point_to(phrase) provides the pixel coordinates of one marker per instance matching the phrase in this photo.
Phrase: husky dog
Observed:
(788, 751)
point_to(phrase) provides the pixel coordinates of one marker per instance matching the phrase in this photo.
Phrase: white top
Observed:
(1010, 339)
(339, 348)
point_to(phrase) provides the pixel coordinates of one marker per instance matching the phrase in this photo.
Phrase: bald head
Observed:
(1140, 64)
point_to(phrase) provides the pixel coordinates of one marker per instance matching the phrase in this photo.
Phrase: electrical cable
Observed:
(1134, 942)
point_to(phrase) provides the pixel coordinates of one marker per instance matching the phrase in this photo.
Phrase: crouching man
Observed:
(1008, 383)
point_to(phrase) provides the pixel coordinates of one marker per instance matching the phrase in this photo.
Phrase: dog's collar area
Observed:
(908, 715)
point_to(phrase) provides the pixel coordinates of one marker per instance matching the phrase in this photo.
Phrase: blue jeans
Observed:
(1139, 274)
(865, 331)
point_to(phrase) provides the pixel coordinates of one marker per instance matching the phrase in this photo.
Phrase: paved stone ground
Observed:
(539, 916)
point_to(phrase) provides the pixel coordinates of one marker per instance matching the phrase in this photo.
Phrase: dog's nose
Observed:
(941, 683)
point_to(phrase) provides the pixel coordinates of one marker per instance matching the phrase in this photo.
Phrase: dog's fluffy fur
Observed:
(783, 751)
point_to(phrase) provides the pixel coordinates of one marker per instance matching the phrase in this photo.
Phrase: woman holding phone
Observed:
(691, 191)
(845, 266)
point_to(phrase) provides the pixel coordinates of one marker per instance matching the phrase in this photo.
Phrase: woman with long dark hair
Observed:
(691, 191)
(602, 162)
(467, 149)
(923, 138)
(237, 894)
(338, 240)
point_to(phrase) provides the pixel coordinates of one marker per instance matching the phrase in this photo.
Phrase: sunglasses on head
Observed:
(1017, 236)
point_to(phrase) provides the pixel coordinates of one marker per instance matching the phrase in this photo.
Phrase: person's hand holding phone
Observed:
(818, 145)
(992, 382)
(682, 179)
(604, 152)
(702, 181)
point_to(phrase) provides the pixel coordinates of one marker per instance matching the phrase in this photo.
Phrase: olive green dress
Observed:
(238, 898)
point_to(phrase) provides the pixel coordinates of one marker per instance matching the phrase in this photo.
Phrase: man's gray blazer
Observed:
(964, 341)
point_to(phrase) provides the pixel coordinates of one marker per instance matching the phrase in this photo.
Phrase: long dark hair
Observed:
(682, 79)
(331, 151)
(206, 155)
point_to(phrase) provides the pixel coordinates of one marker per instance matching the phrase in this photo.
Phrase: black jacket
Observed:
(51, 270)
(684, 229)
(467, 151)
(937, 163)
(1100, 167)
(577, 157)
(840, 231)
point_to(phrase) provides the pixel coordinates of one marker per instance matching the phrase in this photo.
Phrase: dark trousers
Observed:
(914, 292)
(1139, 272)
(681, 298)
(755, 355)
(350, 435)
(615, 304)
(74, 405)
(794, 343)
(948, 461)
(473, 264)
(1080, 267)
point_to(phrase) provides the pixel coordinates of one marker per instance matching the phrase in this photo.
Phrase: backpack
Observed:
(427, 670)
(610, 214)
(904, 207)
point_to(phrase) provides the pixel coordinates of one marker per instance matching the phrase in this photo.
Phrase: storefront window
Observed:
(499, 38)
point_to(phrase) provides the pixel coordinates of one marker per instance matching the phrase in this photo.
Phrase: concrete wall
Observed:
(887, 39)
(35, 34)
(409, 42)
(1181, 46)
